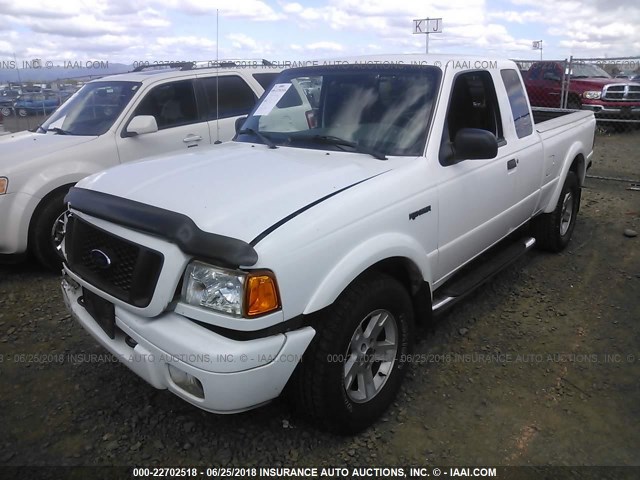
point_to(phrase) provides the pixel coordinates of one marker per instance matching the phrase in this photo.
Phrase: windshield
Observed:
(381, 110)
(588, 71)
(92, 109)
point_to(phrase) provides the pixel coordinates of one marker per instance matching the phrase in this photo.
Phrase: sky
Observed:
(185, 30)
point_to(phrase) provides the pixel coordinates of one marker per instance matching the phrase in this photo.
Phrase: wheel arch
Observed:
(577, 166)
(42, 203)
(396, 255)
(408, 274)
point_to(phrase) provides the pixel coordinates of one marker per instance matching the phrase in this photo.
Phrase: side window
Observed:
(265, 79)
(534, 73)
(232, 97)
(172, 104)
(518, 101)
(474, 104)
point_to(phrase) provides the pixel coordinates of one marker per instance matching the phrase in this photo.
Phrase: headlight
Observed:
(237, 293)
(592, 94)
(4, 184)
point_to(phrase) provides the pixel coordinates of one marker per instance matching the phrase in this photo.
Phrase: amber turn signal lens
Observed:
(3, 185)
(261, 295)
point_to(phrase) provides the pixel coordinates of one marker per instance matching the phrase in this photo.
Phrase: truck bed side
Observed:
(566, 136)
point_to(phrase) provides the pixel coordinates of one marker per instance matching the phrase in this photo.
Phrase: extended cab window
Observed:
(172, 104)
(518, 101)
(229, 96)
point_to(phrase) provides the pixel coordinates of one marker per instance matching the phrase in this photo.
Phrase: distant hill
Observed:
(69, 70)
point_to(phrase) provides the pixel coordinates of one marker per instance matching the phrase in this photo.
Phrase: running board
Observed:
(478, 272)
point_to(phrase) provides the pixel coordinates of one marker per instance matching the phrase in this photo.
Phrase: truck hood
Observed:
(235, 189)
(596, 83)
(26, 146)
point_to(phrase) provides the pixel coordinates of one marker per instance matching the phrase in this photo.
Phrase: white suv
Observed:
(109, 121)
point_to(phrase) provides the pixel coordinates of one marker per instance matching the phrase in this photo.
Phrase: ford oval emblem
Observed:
(100, 259)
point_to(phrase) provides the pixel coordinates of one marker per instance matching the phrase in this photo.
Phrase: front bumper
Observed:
(235, 375)
(16, 210)
(618, 109)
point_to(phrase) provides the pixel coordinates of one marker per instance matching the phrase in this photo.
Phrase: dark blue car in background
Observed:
(38, 103)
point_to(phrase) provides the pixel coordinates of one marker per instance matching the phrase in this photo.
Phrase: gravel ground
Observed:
(541, 366)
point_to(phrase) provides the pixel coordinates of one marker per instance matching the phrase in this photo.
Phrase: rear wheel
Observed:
(22, 112)
(354, 367)
(5, 111)
(553, 230)
(47, 231)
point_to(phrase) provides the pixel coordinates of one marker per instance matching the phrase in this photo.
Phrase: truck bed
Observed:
(546, 119)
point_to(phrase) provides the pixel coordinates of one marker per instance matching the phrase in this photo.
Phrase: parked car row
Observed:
(584, 87)
(32, 103)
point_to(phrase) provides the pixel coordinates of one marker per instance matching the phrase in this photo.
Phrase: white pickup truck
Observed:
(358, 198)
(113, 120)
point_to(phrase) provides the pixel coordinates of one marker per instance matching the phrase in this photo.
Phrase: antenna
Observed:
(217, 82)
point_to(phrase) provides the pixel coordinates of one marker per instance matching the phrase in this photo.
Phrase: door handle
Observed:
(192, 138)
(511, 164)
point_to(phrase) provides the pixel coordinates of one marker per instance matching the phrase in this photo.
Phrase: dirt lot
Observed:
(541, 366)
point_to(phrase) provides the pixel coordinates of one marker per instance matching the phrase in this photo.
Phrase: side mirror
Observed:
(474, 144)
(141, 124)
(240, 122)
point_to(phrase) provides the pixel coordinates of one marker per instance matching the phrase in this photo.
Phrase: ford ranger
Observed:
(300, 257)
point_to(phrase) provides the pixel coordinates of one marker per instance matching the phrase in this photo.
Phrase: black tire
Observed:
(5, 111)
(553, 231)
(40, 233)
(22, 112)
(318, 388)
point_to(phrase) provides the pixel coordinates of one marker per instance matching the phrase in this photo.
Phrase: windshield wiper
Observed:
(57, 130)
(261, 136)
(332, 140)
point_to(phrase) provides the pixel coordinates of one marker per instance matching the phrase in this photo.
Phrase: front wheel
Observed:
(47, 231)
(553, 231)
(354, 367)
(5, 111)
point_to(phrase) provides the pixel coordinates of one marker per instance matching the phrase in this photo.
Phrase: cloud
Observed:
(325, 46)
(160, 29)
(256, 10)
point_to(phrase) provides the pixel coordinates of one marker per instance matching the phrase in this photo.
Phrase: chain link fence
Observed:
(610, 87)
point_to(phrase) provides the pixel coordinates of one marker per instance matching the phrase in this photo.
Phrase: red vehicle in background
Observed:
(586, 87)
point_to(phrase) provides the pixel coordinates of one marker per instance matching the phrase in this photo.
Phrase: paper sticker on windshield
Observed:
(274, 96)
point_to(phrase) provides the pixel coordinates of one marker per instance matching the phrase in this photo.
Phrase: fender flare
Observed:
(359, 259)
(575, 153)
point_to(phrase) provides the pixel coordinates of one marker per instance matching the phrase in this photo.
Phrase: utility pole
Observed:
(537, 45)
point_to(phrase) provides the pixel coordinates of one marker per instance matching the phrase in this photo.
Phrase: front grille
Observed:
(622, 93)
(116, 266)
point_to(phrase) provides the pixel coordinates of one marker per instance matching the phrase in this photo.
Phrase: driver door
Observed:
(180, 126)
